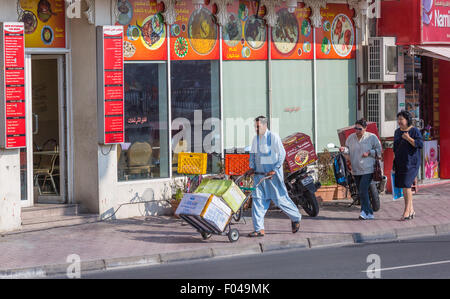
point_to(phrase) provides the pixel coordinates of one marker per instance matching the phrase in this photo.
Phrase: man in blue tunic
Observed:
(266, 159)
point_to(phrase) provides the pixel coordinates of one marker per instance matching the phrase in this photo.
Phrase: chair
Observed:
(139, 158)
(47, 169)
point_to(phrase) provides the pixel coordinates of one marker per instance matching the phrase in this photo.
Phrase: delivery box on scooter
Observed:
(347, 131)
(300, 151)
(207, 206)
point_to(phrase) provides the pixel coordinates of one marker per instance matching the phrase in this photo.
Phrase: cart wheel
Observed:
(233, 235)
(206, 236)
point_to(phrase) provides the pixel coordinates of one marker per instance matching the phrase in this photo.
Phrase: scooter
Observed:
(375, 187)
(301, 189)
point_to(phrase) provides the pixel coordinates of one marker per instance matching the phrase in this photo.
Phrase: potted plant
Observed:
(329, 189)
(178, 187)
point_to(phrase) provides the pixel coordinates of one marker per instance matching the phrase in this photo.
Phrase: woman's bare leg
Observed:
(407, 194)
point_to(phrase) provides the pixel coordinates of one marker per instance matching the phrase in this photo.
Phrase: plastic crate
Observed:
(236, 164)
(192, 163)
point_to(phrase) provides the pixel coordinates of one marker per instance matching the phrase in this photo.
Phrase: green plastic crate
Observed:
(226, 189)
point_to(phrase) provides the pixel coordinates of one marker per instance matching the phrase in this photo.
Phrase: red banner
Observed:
(195, 34)
(144, 29)
(336, 39)
(245, 34)
(436, 21)
(292, 38)
(112, 94)
(12, 62)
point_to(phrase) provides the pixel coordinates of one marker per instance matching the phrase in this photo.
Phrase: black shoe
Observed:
(295, 227)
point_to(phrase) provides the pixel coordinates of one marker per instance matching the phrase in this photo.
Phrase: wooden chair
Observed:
(47, 169)
(139, 158)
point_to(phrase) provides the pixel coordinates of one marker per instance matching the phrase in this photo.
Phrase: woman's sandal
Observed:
(256, 234)
(295, 227)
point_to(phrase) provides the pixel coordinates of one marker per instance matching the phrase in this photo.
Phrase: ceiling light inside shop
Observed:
(291, 5)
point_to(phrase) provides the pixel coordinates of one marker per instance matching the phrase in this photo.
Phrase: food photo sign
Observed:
(111, 84)
(145, 34)
(195, 34)
(12, 86)
(245, 34)
(336, 38)
(292, 37)
(44, 21)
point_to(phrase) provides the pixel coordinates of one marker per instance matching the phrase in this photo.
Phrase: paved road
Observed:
(414, 258)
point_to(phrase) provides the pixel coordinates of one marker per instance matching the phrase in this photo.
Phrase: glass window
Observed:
(292, 97)
(145, 152)
(195, 109)
(336, 99)
(244, 98)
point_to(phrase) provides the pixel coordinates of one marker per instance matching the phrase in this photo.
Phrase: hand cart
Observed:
(207, 230)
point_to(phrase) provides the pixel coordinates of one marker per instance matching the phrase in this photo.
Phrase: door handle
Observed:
(36, 123)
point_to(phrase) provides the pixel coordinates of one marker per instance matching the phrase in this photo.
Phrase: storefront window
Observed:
(145, 152)
(336, 99)
(195, 110)
(244, 98)
(292, 97)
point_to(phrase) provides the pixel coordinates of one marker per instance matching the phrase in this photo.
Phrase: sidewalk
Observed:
(157, 240)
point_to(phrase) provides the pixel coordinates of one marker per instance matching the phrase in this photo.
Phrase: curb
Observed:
(235, 250)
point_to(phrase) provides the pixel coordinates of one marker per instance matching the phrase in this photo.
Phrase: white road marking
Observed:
(408, 266)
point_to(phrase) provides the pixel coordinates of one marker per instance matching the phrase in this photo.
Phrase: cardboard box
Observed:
(300, 151)
(347, 131)
(207, 206)
(226, 189)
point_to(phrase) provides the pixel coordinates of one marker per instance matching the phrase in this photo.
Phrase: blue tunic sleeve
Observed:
(417, 136)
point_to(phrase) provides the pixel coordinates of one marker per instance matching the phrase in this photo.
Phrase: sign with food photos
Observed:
(292, 37)
(336, 38)
(195, 34)
(110, 84)
(44, 21)
(145, 34)
(12, 86)
(245, 34)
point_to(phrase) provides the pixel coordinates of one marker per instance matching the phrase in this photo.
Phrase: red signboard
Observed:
(111, 84)
(299, 151)
(292, 37)
(436, 22)
(12, 86)
(245, 34)
(337, 36)
(195, 34)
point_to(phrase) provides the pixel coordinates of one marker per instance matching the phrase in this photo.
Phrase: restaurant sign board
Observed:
(110, 80)
(436, 21)
(12, 86)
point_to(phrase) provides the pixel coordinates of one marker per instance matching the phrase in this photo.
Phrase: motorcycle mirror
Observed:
(331, 145)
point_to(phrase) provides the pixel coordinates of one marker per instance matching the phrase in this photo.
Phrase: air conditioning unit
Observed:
(385, 61)
(382, 108)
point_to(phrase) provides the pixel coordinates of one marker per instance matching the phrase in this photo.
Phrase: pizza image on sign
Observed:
(300, 152)
(301, 157)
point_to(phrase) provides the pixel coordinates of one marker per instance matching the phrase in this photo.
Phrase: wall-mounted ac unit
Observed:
(384, 60)
(382, 108)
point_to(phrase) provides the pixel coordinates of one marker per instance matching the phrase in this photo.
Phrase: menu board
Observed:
(195, 34)
(45, 23)
(292, 37)
(245, 34)
(12, 86)
(144, 29)
(336, 38)
(110, 84)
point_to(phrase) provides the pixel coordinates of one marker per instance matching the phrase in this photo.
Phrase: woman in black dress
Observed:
(407, 145)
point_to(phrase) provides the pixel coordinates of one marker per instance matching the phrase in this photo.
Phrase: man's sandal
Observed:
(256, 234)
(295, 227)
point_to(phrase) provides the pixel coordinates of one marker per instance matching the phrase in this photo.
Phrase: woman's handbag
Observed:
(377, 173)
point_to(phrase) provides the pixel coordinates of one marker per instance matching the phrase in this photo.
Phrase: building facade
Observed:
(195, 75)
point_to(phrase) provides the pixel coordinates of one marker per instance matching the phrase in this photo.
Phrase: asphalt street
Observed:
(414, 258)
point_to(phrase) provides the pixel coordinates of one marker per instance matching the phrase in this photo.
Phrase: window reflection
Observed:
(195, 110)
(144, 154)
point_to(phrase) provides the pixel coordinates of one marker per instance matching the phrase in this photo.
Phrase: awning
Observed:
(439, 52)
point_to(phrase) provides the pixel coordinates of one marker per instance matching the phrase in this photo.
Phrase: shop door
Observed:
(44, 160)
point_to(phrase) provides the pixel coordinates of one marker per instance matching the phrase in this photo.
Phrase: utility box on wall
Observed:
(385, 61)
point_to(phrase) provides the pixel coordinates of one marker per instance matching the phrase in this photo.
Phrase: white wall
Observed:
(10, 211)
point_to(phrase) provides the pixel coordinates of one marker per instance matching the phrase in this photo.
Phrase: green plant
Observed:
(178, 187)
(325, 168)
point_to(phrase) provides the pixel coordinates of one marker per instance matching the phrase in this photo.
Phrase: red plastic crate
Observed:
(236, 164)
